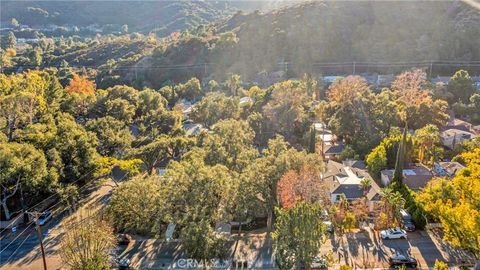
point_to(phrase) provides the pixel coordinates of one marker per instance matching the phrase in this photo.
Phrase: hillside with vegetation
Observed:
(161, 17)
(308, 35)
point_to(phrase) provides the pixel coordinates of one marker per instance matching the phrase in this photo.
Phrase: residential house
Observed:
(385, 80)
(371, 79)
(185, 106)
(441, 79)
(325, 135)
(265, 78)
(476, 82)
(448, 169)
(476, 130)
(455, 123)
(452, 137)
(416, 176)
(330, 79)
(332, 151)
(359, 164)
(347, 180)
(192, 129)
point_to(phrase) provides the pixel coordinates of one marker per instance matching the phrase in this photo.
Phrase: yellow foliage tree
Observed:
(455, 204)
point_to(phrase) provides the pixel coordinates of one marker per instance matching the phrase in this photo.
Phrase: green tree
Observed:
(400, 160)
(313, 140)
(137, 206)
(298, 236)
(428, 141)
(161, 150)
(10, 40)
(114, 137)
(200, 196)
(76, 148)
(286, 110)
(230, 144)
(22, 98)
(158, 122)
(233, 84)
(461, 86)
(149, 101)
(377, 161)
(36, 56)
(191, 90)
(365, 184)
(310, 84)
(70, 196)
(392, 202)
(215, 107)
(212, 85)
(22, 168)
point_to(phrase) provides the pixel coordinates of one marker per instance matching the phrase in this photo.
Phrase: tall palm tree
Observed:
(365, 185)
(392, 203)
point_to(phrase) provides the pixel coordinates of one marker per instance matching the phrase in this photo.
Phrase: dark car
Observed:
(408, 226)
(402, 260)
(407, 221)
(123, 239)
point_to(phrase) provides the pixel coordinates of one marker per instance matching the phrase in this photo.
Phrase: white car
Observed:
(396, 233)
(319, 262)
(43, 218)
(329, 226)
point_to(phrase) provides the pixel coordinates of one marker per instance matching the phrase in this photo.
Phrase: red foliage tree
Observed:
(305, 185)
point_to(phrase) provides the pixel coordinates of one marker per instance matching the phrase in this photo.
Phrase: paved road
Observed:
(27, 255)
(363, 249)
(17, 249)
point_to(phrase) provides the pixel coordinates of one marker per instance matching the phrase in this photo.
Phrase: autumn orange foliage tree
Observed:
(304, 185)
(81, 85)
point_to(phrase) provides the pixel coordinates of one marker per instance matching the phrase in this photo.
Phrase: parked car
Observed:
(408, 225)
(396, 233)
(124, 264)
(123, 239)
(329, 226)
(407, 221)
(43, 218)
(402, 260)
(319, 262)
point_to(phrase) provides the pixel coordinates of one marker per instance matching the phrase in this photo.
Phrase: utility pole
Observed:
(431, 67)
(354, 66)
(39, 232)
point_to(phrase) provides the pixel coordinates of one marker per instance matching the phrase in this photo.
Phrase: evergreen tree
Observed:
(10, 40)
(313, 140)
(398, 174)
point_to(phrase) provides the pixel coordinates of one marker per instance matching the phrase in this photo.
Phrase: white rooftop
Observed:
(351, 178)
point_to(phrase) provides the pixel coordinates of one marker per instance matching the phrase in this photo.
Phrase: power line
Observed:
(11, 242)
(11, 255)
(473, 63)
